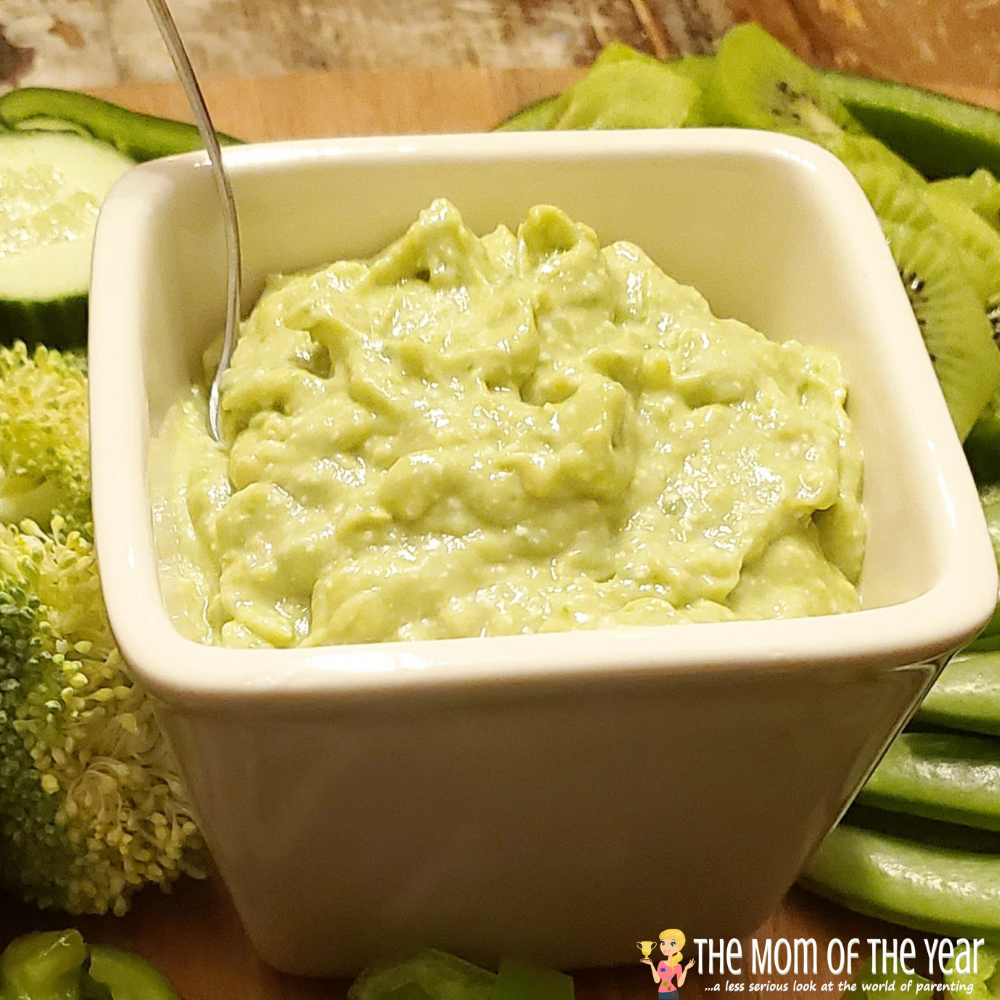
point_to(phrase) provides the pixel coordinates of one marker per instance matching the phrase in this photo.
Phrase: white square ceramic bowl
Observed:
(555, 797)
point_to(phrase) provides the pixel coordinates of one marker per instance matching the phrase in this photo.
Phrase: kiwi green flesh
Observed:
(980, 190)
(640, 92)
(58, 323)
(979, 241)
(939, 135)
(537, 116)
(758, 83)
(949, 312)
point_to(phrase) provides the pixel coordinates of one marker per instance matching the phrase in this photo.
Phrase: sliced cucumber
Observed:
(51, 188)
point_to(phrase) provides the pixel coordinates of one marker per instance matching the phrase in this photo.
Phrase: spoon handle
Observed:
(175, 46)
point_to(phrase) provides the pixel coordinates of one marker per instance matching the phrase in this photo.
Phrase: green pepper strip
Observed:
(58, 965)
(127, 976)
(46, 965)
(139, 136)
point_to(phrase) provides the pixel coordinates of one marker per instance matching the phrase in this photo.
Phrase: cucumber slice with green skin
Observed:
(967, 694)
(138, 136)
(938, 135)
(952, 777)
(929, 888)
(51, 188)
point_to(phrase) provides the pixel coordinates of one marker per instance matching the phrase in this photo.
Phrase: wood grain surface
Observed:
(354, 102)
(946, 44)
(193, 935)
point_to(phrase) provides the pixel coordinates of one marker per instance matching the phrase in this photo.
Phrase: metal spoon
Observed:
(172, 39)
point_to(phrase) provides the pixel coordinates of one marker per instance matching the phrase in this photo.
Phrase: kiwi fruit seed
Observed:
(948, 307)
(952, 321)
(758, 83)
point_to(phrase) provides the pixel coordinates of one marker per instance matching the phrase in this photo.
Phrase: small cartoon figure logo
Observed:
(669, 974)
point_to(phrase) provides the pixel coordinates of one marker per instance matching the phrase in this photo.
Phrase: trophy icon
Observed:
(645, 947)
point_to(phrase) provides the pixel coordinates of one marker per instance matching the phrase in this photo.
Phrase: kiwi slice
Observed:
(949, 260)
(956, 331)
(948, 307)
(638, 87)
(538, 116)
(979, 243)
(758, 83)
(700, 69)
(866, 153)
(980, 191)
(627, 89)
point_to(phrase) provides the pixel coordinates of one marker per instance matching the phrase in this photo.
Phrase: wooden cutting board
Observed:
(458, 99)
(321, 104)
(194, 934)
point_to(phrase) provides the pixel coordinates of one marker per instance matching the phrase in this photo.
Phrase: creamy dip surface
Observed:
(520, 433)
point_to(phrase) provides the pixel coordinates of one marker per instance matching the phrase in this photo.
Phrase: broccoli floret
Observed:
(44, 448)
(91, 806)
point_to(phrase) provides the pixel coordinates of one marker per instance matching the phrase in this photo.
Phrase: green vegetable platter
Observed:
(929, 814)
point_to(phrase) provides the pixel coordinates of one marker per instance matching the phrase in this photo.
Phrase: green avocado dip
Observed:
(519, 433)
